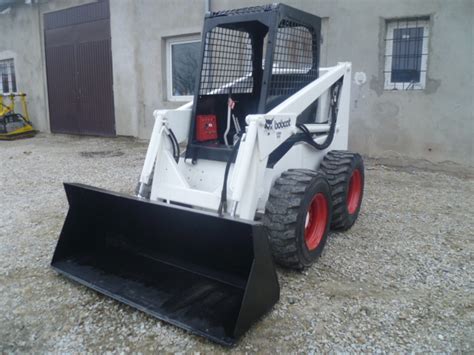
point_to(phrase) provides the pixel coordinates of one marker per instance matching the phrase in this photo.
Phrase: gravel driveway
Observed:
(400, 280)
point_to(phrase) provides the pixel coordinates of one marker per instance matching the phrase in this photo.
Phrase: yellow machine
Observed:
(14, 125)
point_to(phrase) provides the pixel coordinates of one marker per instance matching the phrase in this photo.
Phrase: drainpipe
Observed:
(207, 6)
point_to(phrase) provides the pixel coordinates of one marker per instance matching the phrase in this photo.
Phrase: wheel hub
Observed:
(316, 221)
(355, 191)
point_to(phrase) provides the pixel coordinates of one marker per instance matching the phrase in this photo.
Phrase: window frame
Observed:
(11, 76)
(402, 23)
(170, 42)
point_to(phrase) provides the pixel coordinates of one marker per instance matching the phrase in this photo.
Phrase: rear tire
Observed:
(345, 174)
(298, 216)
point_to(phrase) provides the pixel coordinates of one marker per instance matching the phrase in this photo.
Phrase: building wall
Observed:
(23, 44)
(139, 31)
(435, 124)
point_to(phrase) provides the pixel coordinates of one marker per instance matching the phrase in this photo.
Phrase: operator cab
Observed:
(252, 60)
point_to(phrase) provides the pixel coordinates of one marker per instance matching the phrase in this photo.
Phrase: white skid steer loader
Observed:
(265, 175)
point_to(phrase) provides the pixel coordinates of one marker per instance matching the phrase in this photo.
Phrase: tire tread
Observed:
(337, 166)
(281, 214)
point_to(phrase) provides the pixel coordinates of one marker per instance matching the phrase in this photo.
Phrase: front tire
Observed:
(298, 216)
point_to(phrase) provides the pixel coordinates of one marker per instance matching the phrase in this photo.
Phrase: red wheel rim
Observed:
(355, 191)
(316, 221)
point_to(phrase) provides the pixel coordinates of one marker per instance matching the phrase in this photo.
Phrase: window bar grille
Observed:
(406, 50)
(7, 76)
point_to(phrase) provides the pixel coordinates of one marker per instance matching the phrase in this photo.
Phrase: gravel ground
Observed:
(400, 280)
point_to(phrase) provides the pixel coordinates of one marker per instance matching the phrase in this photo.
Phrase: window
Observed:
(406, 54)
(7, 76)
(182, 66)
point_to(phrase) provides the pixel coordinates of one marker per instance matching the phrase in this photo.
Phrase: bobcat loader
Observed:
(265, 175)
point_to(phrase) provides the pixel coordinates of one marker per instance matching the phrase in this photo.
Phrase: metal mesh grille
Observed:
(293, 65)
(406, 54)
(227, 62)
(7, 76)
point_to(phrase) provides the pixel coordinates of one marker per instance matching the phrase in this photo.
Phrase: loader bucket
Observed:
(210, 275)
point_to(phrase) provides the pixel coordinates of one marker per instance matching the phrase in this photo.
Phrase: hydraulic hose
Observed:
(223, 203)
(174, 145)
(335, 91)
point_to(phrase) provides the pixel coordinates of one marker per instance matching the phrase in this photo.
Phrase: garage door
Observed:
(79, 70)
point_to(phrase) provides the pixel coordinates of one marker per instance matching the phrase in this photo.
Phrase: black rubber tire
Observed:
(338, 166)
(285, 216)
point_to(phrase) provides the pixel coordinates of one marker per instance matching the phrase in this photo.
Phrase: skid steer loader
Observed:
(264, 177)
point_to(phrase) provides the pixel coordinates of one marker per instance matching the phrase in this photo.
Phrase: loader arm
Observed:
(264, 134)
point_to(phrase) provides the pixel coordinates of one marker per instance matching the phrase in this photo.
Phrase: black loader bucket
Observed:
(211, 275)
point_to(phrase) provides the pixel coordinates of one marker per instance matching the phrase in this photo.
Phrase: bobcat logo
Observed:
(268, 126)
(282, 124)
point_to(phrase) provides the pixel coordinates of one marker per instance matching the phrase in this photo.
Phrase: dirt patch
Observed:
(102, 154)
